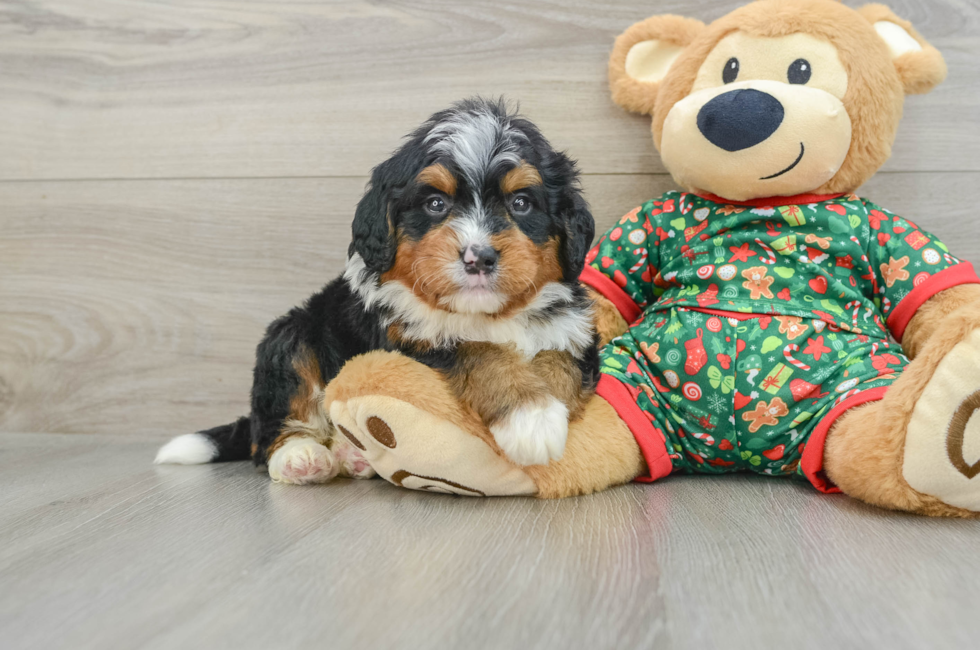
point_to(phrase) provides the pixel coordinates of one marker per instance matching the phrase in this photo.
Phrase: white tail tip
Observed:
(188, 449)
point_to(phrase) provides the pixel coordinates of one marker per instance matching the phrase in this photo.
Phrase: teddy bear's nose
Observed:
(740, 119)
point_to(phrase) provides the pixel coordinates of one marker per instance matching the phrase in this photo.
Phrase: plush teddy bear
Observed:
(749, 314)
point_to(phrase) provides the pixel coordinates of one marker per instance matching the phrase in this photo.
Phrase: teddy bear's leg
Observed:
(409, 425)
(601, 452)
(918, 449)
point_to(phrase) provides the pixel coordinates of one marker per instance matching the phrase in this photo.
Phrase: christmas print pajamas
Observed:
(754, 326)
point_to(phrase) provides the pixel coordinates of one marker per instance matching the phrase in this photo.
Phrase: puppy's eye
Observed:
(799, 71)
(436, 206)
(730, 73)
(520, 204)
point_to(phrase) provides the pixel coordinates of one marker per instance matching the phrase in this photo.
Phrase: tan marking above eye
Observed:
(520, 177)
(769, 58)
(439, 177)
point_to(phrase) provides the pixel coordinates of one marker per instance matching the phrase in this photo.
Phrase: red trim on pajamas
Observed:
(601, 283)
(651, 443)
(903, 312)
(812, 461)
(774, 201)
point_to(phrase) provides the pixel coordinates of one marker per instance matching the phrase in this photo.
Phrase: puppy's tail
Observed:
(217, 445)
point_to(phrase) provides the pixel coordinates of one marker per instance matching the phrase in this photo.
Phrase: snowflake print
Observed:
(717, 403)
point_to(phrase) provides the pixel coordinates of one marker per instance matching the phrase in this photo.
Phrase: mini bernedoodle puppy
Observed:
(466, 252)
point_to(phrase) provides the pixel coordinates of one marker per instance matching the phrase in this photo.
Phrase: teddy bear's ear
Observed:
(642, 56)
(920, 66)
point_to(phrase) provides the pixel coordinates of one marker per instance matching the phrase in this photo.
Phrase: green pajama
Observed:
(754, 326)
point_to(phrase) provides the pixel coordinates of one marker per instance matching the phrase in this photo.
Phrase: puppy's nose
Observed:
(480, 259)
(740, 119)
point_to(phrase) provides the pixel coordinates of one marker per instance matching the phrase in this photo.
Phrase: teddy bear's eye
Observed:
(799, 71)
(730, 73)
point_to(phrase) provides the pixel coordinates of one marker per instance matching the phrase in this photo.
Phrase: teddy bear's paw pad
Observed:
(942, 446)
(301, 461)
(534, 434)
(349, 453)
(415, 449)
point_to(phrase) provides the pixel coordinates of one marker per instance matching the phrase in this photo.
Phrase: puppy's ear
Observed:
(373, 232)
(579, 231)
(920, 66)
(642, 56)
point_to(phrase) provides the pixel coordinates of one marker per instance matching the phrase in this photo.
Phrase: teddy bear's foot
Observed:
(301, 460)
(402, 418)
(412, 448)
(942, 446)
(918, 449)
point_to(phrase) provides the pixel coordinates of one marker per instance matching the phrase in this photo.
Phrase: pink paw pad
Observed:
(350, 458)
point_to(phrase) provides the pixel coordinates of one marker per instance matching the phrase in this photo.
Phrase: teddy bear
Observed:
(762, 318)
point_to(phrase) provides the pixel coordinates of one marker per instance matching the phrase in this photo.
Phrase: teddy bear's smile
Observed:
(795, 163)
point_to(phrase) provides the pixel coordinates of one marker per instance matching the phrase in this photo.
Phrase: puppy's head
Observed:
(476, 213)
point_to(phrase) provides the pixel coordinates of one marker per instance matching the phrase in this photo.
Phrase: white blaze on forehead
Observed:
(477, 141)
(471, 229)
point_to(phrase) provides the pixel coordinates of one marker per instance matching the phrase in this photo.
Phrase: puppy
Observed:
(465, 256)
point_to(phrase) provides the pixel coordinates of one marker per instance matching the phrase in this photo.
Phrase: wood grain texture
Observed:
(220, 88)
(135, 307)
(110, 552)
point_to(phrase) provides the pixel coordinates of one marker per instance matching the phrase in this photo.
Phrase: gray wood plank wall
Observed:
(175, 175)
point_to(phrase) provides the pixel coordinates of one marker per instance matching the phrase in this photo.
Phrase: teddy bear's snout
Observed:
(740, 118)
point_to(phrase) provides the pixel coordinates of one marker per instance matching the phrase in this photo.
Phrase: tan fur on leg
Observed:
(934, 312)
(601, 452)
(865, 449)
(864, 456)
(609, 323)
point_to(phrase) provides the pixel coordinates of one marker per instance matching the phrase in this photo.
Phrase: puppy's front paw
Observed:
(350, 459)
(301, 461)
(534, 434)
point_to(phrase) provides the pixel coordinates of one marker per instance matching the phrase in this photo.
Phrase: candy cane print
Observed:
(704, 437)
(771, 256)
(793, 347)
(857, 308)
(864, 258)
(642, 261)
(886, 305)
(877, 321)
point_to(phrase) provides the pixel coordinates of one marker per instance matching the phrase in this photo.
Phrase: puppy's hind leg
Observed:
(309, 451)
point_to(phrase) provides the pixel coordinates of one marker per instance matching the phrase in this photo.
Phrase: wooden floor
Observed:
(174, 175)
(99, 549)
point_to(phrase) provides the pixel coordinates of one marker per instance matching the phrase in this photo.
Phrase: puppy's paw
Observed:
(534, 434)
(302, 461)
(350, 459)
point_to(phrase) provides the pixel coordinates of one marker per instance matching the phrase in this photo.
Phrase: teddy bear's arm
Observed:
(609, 323)
(934, 312)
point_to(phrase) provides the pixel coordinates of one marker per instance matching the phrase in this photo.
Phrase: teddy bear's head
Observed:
(777, 98)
